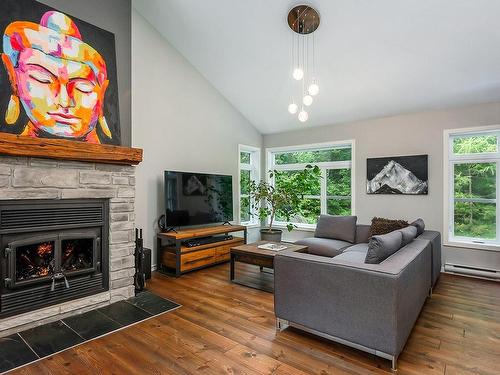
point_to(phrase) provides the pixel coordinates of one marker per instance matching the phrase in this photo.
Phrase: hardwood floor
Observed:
(226, 328)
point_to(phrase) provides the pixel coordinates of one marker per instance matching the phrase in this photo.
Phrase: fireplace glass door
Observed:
(78, 253)
(34, 260)
(40, 259)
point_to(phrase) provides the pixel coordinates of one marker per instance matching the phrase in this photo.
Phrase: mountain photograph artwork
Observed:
(398, 175)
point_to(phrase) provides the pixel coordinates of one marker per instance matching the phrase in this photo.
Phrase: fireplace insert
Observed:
(53, 251)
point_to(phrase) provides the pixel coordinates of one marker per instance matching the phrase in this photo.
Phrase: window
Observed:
(249, 168)
(473, 186)
(334, 190)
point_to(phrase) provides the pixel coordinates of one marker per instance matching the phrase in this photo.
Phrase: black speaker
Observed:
(147, 263)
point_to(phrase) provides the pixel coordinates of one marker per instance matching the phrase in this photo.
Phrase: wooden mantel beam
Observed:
(15, 145)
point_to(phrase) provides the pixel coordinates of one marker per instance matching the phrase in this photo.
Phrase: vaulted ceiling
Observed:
(374, 58)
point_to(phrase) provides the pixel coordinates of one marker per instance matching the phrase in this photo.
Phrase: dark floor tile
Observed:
(124, 313)
(152, 303)
(51, 338)
(91, 324)
(14, 353)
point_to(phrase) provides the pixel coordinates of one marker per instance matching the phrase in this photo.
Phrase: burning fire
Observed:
(44, 271)
(44, 249)
(69, 249)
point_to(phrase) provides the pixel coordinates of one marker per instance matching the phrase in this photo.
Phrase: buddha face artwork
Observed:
(58, 85)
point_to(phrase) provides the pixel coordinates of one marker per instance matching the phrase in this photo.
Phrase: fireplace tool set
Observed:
(140, 277)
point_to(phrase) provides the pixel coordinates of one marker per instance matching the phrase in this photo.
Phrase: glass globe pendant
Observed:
(292, 108)
(298, 74)
(307, 100)
(313, 88)
(303, 115)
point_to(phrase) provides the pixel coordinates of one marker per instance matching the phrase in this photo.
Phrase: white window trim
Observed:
(255, 173)
(270, 151)
(449, 160)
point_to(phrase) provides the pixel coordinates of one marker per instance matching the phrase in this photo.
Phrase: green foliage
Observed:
(475, 220)
(475, 144)
(338, 182)
(475, 180)
(340, 207)
(338, 190)
(245, 209)
(334, 154)
(244, 157)
(245, 182)
(286, 199)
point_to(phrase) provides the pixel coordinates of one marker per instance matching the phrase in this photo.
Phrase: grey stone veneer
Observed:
(33, 178)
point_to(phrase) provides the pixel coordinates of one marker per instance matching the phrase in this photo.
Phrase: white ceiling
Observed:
(374, 58)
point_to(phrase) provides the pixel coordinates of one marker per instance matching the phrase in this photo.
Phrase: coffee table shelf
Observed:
(252, 254)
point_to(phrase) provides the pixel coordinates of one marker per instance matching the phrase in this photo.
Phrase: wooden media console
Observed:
(175, 258)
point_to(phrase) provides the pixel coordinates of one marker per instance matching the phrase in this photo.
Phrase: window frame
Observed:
(450, 160)
(324, 166)
(255, 174)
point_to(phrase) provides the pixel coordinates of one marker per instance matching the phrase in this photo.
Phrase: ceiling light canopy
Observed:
(303, 20)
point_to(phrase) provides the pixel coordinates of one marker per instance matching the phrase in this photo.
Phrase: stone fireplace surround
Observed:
(35, 178)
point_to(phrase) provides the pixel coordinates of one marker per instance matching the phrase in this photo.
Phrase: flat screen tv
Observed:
(197, 198)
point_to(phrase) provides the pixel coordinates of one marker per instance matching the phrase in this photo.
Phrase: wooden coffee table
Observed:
(251, 254)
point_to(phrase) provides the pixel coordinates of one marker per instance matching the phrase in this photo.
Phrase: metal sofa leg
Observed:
(430, 292)
(281, 324)
(394, 363)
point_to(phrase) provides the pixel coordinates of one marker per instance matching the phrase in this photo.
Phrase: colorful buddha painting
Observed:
(56, 85)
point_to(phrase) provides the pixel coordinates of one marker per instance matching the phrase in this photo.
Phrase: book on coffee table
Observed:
(272, 246)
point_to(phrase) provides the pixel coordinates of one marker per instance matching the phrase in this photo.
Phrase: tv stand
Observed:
(175, 258)
(227, 222)
(170, 229)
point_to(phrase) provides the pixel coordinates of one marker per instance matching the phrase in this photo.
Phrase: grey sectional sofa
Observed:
(330, 291)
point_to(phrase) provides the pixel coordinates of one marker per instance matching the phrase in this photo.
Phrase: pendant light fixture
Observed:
(303, 20)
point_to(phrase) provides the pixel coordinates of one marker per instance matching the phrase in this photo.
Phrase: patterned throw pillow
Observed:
(383, 226)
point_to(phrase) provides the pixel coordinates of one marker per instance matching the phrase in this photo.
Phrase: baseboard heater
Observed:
(472, 271)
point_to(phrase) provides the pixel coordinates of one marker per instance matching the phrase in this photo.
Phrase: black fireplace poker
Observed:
(140, 277)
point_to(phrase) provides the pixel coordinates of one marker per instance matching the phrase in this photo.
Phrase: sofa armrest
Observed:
(364, 306)
(435, 239)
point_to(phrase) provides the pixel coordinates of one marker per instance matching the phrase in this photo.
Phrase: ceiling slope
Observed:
(374, 58)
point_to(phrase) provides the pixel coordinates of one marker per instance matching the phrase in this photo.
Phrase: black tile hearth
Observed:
(152, 303)
(14, 352)
(51, 338)
(25, 347)
(124, 313)
(91, 324)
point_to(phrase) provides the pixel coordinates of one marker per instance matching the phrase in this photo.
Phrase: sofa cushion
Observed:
(360, 248)
(383, 226)
(420, 225)
(409, 233)
(323, 246)
(362, 233)
(383, 246)
(336, 227)
(352, 257)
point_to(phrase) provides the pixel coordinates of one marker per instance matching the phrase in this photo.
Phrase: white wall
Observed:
(180, 121)
(410, 134)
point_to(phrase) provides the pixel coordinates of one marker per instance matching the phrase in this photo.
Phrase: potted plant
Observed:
(283, 199)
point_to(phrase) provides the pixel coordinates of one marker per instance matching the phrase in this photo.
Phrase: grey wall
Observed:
(410, 134)
(180, 120)
(113, 16)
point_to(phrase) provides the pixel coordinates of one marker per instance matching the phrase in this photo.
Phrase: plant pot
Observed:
(273, 235)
